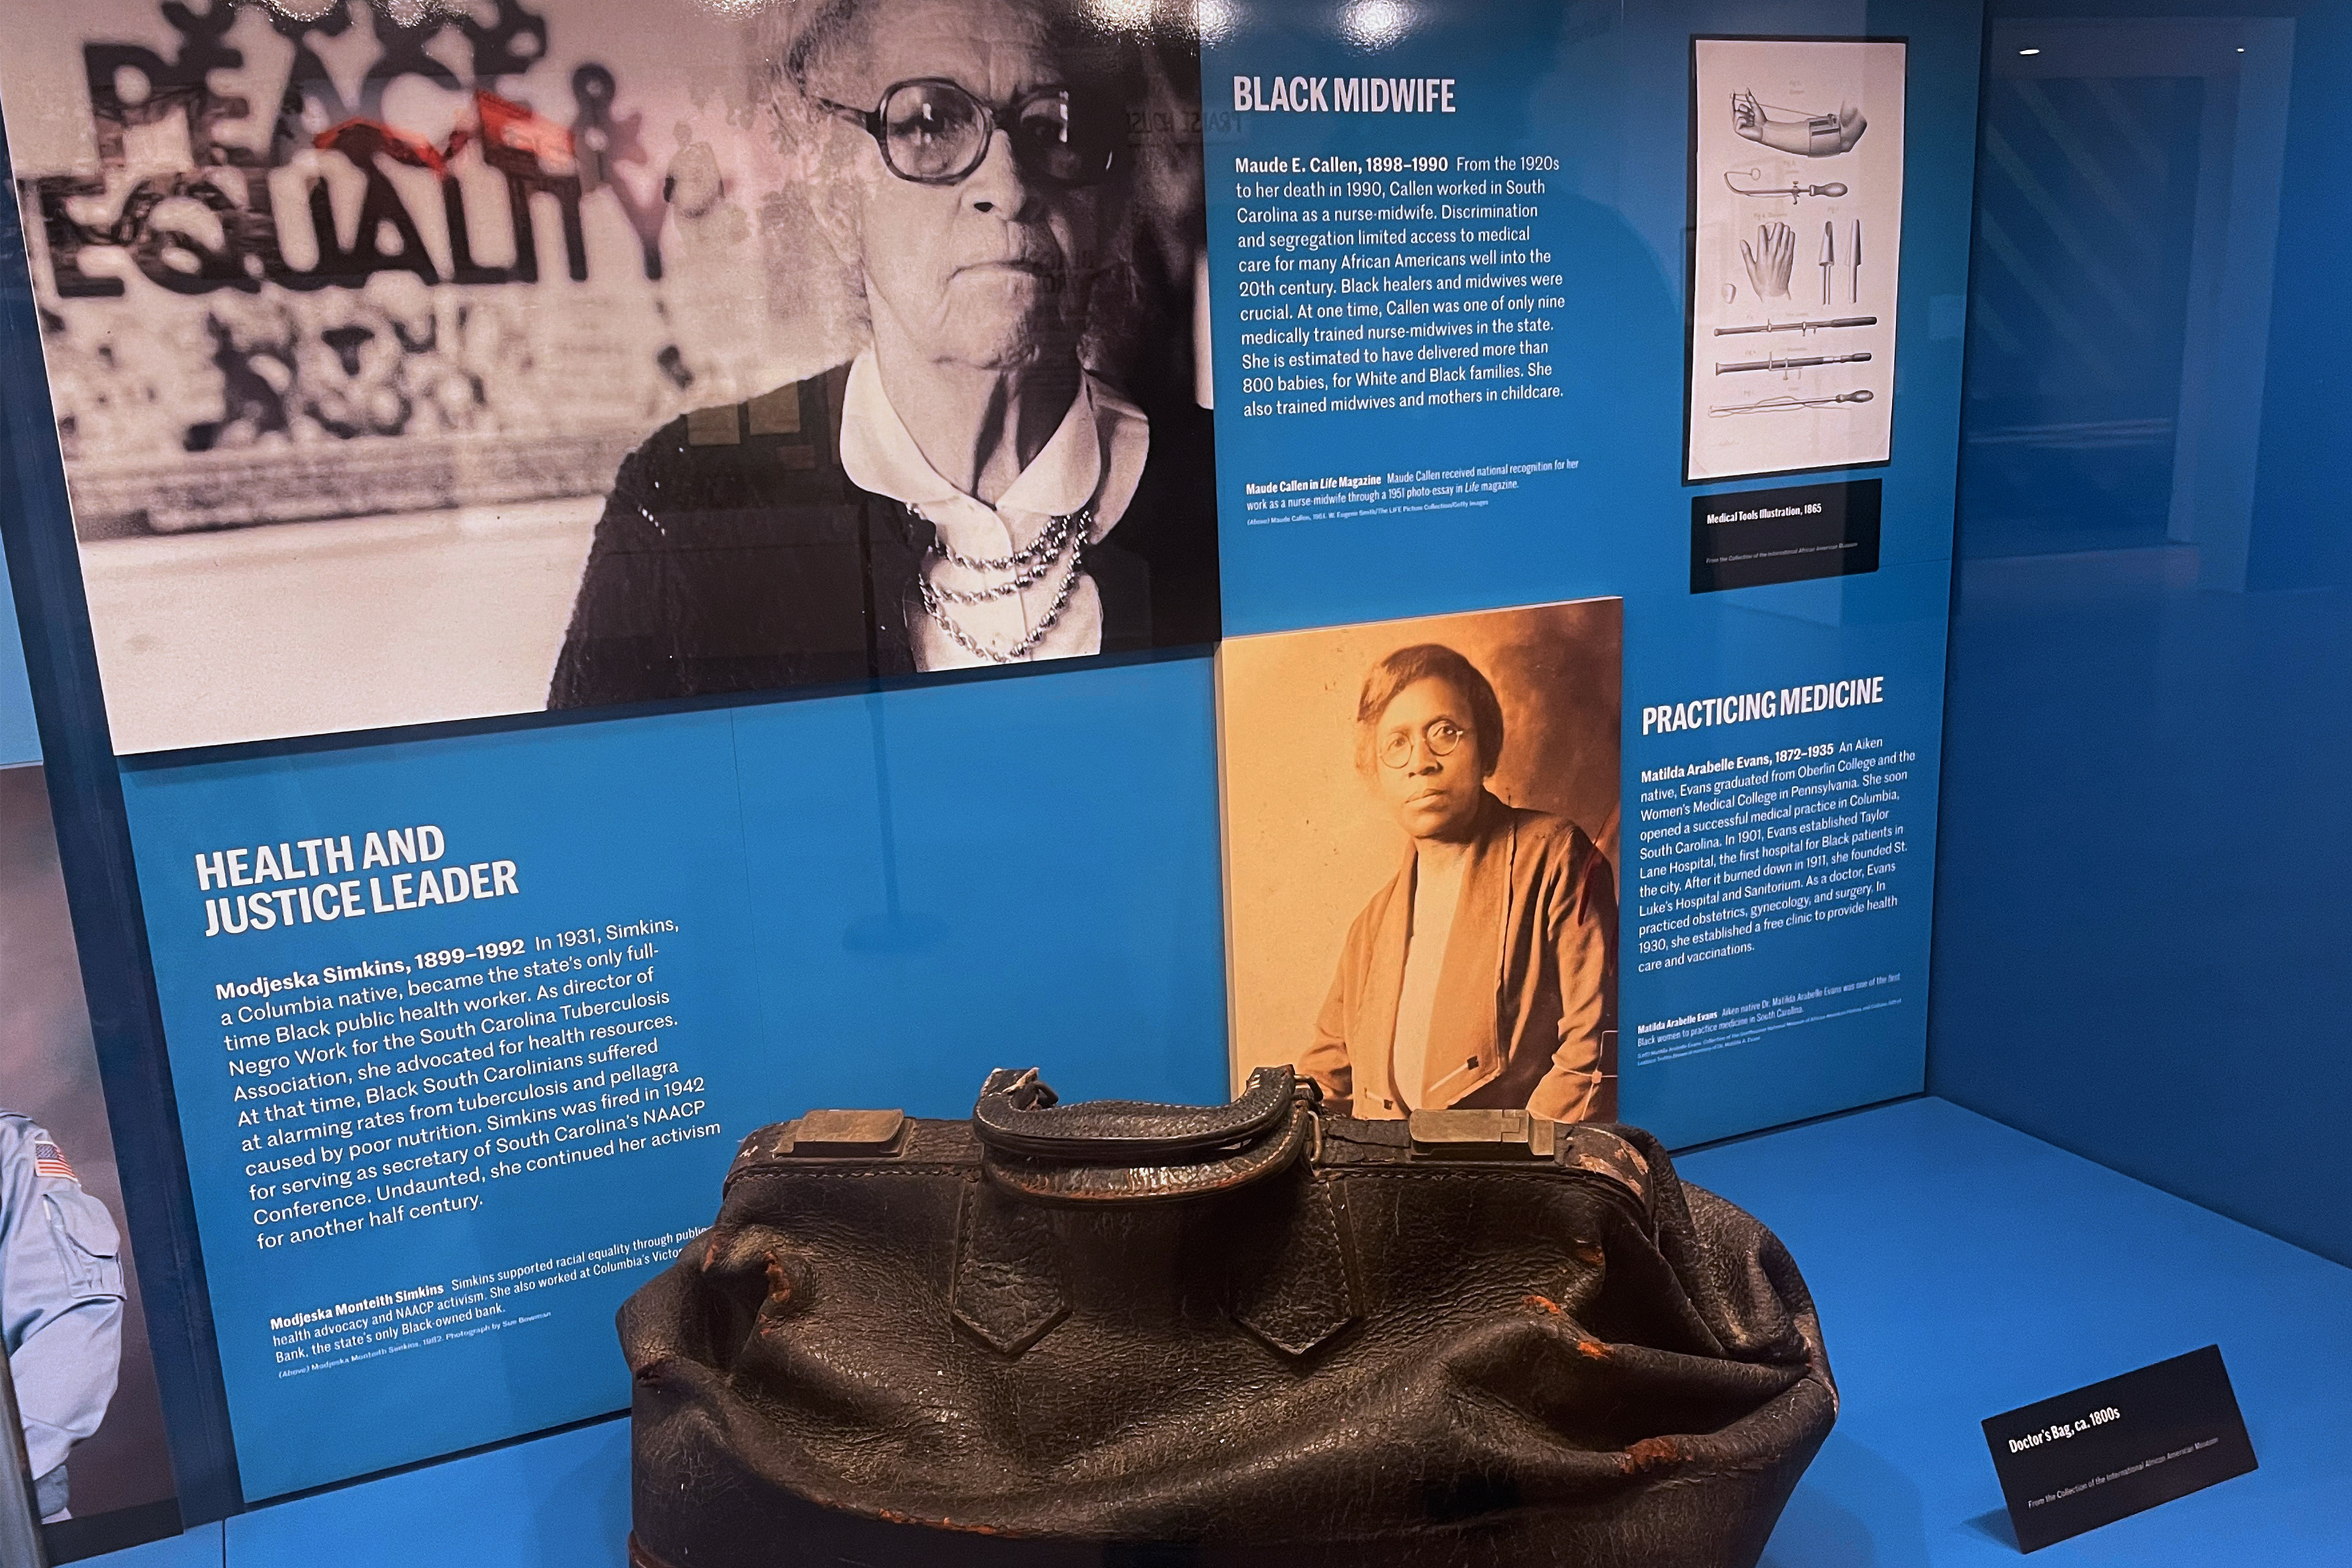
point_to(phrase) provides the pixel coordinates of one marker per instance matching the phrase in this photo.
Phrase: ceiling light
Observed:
(2029, 51)
(1376, 23)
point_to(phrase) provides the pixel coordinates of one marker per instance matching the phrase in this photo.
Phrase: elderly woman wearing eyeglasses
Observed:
(970, 489)
(1484, 975)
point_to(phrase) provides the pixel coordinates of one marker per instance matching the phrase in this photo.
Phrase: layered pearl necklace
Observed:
(1068, 531)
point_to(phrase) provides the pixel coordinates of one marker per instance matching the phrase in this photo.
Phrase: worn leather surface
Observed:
(1019, 1115)
(1366, 1359)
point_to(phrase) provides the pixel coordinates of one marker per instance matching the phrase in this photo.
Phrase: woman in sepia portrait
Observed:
(1010, 467)
(1483, 976)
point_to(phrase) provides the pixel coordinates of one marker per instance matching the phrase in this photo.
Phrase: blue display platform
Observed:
(1962, 1269)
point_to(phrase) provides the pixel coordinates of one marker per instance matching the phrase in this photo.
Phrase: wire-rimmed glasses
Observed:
(1443, 737)
(933, 133)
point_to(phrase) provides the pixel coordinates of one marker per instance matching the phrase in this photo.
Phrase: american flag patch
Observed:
(49, 1159)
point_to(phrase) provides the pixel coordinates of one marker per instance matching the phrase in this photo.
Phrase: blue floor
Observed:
(1962, 1269)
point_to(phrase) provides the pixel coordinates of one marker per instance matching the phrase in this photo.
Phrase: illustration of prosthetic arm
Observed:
(1807, 135)
(1771, 259)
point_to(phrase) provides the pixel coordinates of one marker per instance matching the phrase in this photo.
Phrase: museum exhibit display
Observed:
(588, 578)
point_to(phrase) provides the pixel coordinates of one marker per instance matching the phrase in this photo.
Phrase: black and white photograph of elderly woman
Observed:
(1422, 831)
(987, 481)
(425, 362)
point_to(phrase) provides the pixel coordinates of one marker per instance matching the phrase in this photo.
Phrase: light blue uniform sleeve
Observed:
(60, 1295)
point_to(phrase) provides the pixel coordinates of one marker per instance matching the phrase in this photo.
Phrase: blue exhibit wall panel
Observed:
(413, 1196)
(1606, 96)
(550, 978)
(1820, 999)
(1772, 1022)
(1015, 872)
(2141, 931)
(1604, 446)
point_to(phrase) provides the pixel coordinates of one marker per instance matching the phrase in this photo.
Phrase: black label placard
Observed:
(2113, 1448)
(1753, 537)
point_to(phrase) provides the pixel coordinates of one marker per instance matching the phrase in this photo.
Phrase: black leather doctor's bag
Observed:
(1058, 1336)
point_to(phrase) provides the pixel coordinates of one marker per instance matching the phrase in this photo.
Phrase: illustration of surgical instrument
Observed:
(1808, 135)
(1853, 259)
(1786, 404)
(1820, 326)
(1781, 361)
(1828, 257)
(1794, 193)
(1771, 260)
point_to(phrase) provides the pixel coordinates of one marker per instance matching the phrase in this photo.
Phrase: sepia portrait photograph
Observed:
(1420, 846)
(423, 360)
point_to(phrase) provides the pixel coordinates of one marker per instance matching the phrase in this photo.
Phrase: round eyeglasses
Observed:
(1443, 736)
(933, 133)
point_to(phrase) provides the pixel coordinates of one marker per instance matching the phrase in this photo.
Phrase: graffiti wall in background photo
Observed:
(417, 279)
(431, 281)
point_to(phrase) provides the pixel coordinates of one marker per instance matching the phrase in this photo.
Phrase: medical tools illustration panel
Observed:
(1796, 236)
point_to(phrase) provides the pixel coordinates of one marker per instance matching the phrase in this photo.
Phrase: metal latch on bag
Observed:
(864, 1134)
(1481, 1135)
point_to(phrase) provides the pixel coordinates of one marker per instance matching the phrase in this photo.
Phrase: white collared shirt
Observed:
(1097, 453)
(1436, 894)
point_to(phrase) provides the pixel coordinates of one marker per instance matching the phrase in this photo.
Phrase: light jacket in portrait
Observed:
(1526, 1010)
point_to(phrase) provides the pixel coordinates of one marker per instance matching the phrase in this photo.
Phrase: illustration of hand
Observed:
(1748, 116)
(1813, 136)
(1771, 260)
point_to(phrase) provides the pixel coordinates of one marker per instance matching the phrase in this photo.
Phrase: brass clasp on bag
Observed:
(1481, 1135)
(867, 1134)
(1503, 1135)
